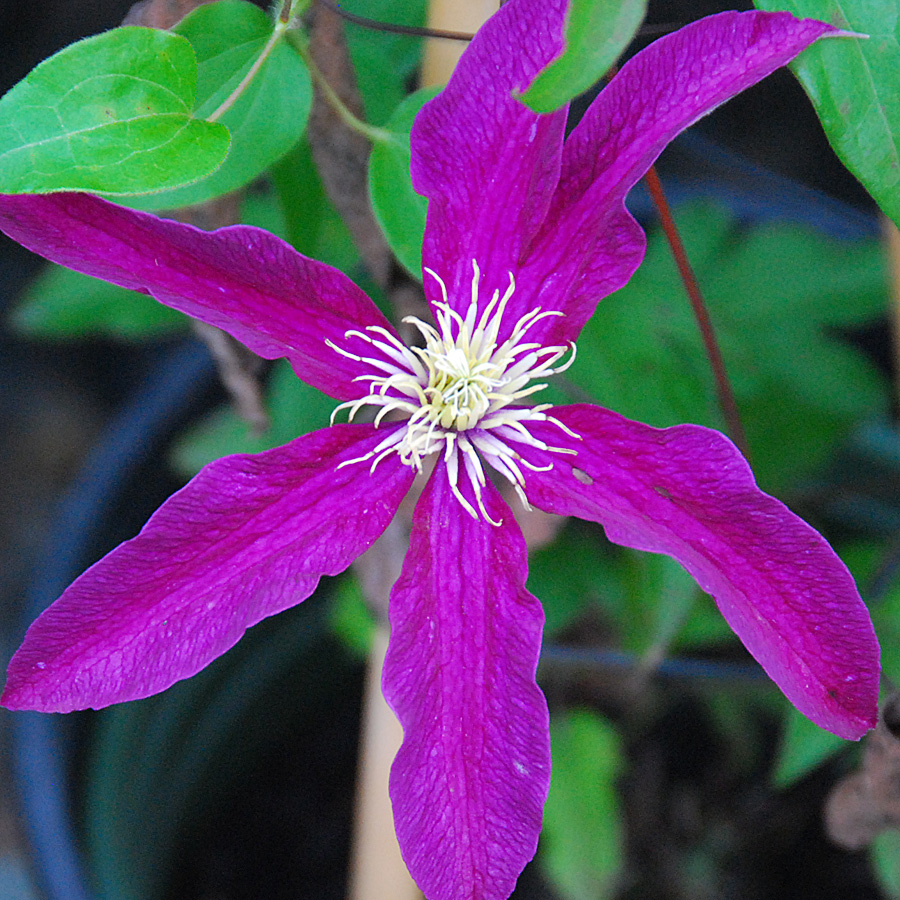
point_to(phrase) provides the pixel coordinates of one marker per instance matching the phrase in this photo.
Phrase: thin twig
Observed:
(424, 31)
(413, 30)
(724, 392)
(341, 153)
(892, 250)
(352, 121)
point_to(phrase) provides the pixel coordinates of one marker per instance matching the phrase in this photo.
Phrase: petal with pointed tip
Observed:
(687, 492)
(590, 245)
(487, 163)
(469, 783)
(241, 279)
(248, 537)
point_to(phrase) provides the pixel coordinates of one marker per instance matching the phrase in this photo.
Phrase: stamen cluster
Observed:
(458, 393)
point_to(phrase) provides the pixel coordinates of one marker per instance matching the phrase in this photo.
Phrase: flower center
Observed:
(459, 393)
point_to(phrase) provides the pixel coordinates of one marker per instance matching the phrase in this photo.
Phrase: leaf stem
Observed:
(281, 26)
(725, 394)
(371, 132)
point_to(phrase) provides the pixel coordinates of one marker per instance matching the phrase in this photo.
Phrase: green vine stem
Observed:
(281, 26)
(370, 132)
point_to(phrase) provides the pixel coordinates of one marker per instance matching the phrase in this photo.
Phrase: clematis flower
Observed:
(526, 231)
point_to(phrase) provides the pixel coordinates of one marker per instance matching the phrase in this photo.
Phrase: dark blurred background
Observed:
(56, 398)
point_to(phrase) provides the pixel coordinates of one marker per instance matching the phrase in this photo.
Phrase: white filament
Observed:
(457, 392)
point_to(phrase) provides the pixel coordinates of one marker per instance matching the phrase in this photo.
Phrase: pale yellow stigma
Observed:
(458, 392)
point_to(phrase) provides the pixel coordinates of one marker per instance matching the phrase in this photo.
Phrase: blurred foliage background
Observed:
(679, 771)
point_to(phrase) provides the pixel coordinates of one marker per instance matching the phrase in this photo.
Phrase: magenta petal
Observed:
(241, 279)
(590, 246)
(486, 162)
(687, 492)
(469, 783)
(248, 537)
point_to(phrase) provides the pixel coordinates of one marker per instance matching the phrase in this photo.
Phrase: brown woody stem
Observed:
(727, 403)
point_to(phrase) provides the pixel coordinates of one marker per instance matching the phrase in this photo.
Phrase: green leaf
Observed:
(854, 84)
(271, 114)
(778, 295)
(670, 605)
(112, 113)
(578, 569)
(597, 31)
(704, 627)
(385, 64)
(313, 224)
(261, 208)
(61, 303)
(295, 408)
(870, 562)
(803, 747)
(582, 839)
(648, 600)
(351, 619)
(884, 854)
(399, 209)
(886, 618)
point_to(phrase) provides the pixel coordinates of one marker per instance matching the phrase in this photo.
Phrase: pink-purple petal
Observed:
(687, 492)
(248, 537)
(469, 783)
(241, 279)
(589, 245)
(486, 162)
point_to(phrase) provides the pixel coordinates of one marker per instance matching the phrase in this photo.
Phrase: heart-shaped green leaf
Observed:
(269, 116)
(111, 113)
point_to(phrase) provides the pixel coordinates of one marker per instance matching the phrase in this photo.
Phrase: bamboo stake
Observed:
(377, 870)
(441, 55)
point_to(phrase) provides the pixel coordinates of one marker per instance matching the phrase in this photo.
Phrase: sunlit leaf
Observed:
(112, 113)
(597, 31)
(271, 113)
(854, 84)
